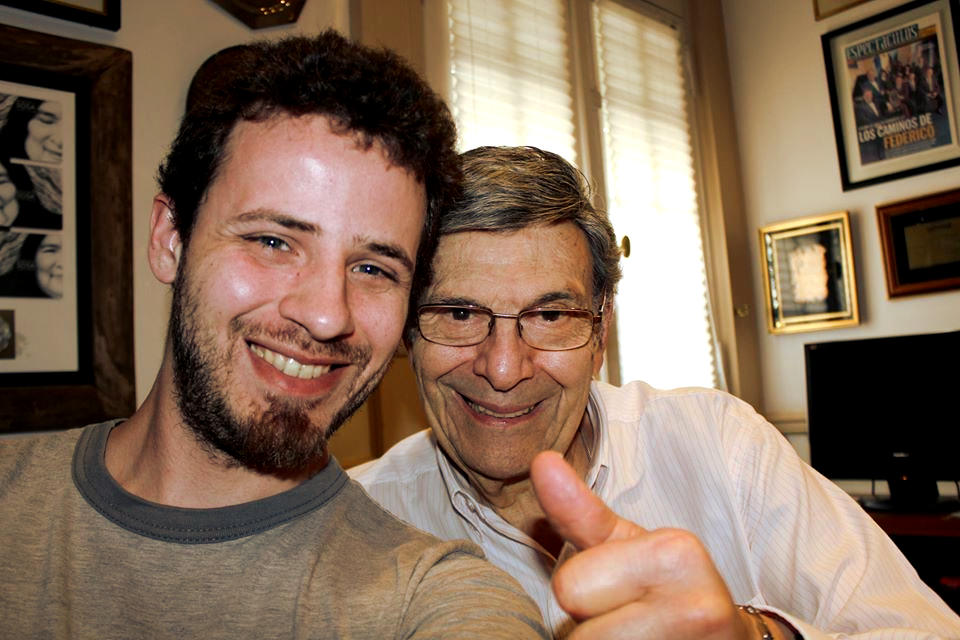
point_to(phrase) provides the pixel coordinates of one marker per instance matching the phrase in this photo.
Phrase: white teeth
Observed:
(487, 412)
(289, 366)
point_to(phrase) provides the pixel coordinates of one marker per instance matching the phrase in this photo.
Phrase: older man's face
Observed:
(495, 405)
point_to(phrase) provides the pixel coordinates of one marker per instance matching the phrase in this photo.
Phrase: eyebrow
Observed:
(384, 249)
(389, 251)
(546, 298)
(283, 220)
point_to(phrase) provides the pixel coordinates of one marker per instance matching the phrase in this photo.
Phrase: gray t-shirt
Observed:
(81, 557)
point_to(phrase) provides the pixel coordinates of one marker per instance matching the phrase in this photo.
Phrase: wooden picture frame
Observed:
(260, 14)
(826, 8)
(894, 83)
(809, 279)
(920, 238)
(104, 14)
(102, 386)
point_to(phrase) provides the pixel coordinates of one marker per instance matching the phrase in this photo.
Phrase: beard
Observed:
(282, 439)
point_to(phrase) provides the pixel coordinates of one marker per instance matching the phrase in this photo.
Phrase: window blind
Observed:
(510, 74)
(512, 83)
(665, 333)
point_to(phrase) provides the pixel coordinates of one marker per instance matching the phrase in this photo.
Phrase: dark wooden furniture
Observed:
(931, 542)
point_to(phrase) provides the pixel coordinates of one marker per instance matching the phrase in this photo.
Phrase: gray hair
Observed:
(511, 188)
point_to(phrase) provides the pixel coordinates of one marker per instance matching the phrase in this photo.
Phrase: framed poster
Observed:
(894, 83)
(809, 281)
(66, 302)
(96, 13)
(826, 8)
(920, 238)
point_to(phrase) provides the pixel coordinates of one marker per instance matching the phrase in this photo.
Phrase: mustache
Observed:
(299, 337)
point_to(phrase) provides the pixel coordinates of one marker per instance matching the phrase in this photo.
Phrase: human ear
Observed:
(165, 244)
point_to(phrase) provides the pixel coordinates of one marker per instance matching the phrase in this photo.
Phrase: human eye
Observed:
(271, 243)
(548, 316)
(461, 314)
(374, 271)
(551, 315)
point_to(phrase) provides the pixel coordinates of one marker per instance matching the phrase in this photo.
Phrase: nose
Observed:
(318, 300)
(504, 359)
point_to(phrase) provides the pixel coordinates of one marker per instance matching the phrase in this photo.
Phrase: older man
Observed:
(302, 186)
(697, 503)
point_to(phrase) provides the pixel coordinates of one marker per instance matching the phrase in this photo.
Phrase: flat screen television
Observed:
(887, 409)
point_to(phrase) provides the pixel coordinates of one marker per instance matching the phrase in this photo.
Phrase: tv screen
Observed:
(885, 408)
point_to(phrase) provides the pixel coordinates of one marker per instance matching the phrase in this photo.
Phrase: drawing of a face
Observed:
(8, 199)
(50, 266)
(43, 142)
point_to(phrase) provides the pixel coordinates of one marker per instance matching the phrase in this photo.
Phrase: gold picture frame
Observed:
(826, 8)
(809, 279)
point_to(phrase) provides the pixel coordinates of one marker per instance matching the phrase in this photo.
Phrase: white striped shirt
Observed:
(782, 536)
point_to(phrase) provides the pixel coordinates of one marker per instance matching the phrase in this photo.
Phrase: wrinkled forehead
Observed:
(512, 269)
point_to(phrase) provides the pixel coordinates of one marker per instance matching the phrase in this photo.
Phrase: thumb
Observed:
(573, 510)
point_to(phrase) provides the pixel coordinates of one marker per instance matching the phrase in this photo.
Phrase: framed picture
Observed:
(825, 8)
(96, 13)
(259, 14)
(921, 243)
(894, 83)
(66, 295)
(809, 280)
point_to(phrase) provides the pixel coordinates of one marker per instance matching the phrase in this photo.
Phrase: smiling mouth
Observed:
(487, 412)
(289, 366)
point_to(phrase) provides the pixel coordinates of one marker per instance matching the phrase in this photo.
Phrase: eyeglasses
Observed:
(547, 329)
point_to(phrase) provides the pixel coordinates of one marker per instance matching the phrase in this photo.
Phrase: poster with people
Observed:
(894, 78)
(38, 231)
(898, 92)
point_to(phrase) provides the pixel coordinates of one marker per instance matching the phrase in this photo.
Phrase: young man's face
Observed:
(493, 406)
(292, 292)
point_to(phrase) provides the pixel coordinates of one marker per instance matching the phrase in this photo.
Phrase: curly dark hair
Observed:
(372, 94)
(13, 135)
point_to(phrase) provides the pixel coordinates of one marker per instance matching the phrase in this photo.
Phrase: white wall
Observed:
(790, 170)
(169, 39)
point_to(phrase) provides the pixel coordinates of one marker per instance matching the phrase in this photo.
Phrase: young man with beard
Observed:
(300, 193)
(625, 512)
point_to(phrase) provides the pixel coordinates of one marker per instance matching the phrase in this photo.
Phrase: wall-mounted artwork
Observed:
(259, 14)
(96, 13)
(894, 83)
(66, 301)
(921, 243)
(38, 226)
(825, 8)
(809, 281)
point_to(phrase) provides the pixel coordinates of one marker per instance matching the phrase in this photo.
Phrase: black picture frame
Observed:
(107, 17)
(885, 130)
(103, 386)
(920, 238)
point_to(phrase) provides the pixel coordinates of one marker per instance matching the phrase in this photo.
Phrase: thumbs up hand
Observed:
(625, 581)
